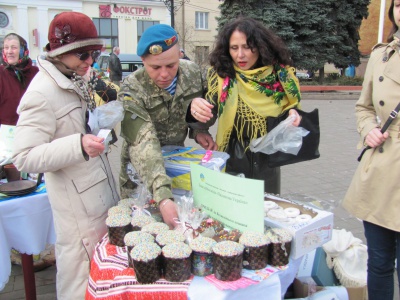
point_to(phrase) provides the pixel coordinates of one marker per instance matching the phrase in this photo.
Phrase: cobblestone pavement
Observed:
(325, 179)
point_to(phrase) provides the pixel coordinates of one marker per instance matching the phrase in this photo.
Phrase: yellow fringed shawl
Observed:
(245, 101)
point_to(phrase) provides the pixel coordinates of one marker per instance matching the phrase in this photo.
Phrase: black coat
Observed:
(114, 65)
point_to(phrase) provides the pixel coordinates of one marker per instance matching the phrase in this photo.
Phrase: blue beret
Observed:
(156, 39)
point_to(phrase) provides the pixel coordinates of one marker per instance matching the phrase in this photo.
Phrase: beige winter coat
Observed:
(48, 140)
(374, 193)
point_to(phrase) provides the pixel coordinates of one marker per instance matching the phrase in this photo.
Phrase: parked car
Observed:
(303, 75)
(129, 63)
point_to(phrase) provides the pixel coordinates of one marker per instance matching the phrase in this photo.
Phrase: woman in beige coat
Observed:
(52, 137)
(374, 193)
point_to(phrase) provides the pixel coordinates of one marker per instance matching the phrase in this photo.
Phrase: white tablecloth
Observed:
(274, 287)
(26, 224)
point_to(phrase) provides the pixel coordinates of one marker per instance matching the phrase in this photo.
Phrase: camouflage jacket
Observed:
(153, 118)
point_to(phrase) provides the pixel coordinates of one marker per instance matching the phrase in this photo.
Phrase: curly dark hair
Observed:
(394, 28)
(271, 47)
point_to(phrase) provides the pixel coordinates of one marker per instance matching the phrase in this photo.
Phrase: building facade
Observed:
(121, 23)
(196, 24)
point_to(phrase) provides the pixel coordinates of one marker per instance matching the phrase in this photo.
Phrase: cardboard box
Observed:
(307, 236)
(177, 162)
(314, 267)
(354, 293)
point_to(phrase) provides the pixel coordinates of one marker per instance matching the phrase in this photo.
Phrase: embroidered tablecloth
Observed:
(111, 278)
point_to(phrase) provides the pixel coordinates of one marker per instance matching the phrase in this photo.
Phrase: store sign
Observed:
(125, 11)
(236, 202)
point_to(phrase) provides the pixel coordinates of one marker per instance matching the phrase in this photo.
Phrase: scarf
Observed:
(244, 102)
(20, 68)
(86, 87)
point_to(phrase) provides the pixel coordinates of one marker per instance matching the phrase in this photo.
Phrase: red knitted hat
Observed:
(72, 32)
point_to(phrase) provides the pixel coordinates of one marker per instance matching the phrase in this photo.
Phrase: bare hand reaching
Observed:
(169, 212)
(206, 141)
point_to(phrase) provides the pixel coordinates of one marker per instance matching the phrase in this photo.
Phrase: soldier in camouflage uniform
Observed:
(156, 101)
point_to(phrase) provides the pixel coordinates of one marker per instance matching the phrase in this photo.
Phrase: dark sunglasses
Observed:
(85, 55)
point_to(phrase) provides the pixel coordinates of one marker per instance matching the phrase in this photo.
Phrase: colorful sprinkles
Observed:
(169, 236)
(278, 235)
(119, 210)
(202, 244)
(155, 228)
(116, 220)
(177, 250)
(228, 248)
(141, 220)
(128, 202)
(134, 238)
(145, 252)
(253, 239)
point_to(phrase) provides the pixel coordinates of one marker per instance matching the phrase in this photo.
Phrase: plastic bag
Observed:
(285, 138)
(141, 200)
(189, 217)
(106, 116)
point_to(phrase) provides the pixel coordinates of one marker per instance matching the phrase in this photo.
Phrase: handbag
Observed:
(309, 148)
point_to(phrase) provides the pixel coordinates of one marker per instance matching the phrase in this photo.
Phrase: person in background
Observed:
(52, 137)
(250, 79)
(156, 100)
(16, 73)
(183, 55)
(373, 195)
(114, 65)
(96, 67)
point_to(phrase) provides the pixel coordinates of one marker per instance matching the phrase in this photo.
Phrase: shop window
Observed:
(143, 25)
(107, 30)
(201, 20)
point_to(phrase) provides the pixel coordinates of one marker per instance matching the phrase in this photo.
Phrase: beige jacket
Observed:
(374, 193)
(48, 140)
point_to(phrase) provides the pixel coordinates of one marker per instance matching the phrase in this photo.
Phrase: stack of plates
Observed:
(18, 188)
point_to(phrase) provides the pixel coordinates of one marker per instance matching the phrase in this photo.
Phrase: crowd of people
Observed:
(251, 77)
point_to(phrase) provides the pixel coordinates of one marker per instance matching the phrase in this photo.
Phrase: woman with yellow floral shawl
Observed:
(250, 79)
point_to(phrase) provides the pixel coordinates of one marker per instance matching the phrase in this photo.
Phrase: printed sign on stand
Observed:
(235, 201)
(6, 143)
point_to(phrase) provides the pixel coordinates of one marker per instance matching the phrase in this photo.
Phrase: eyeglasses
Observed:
(85, 55)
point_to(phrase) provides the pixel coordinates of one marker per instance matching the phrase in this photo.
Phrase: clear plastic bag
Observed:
(106, 116)
(141, 200)
(285, 138)
(189, 217)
